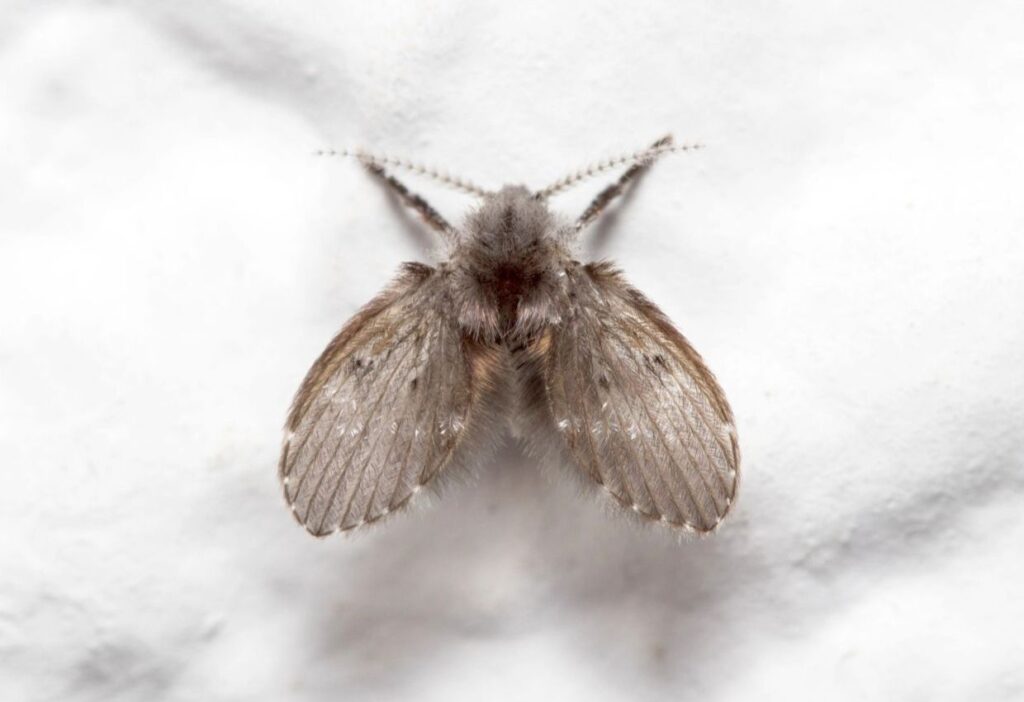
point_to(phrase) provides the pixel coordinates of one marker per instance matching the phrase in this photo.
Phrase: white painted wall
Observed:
(846, 254)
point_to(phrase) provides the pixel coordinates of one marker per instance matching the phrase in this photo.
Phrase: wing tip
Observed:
(681, 526)
(698, 530)
(322, 531)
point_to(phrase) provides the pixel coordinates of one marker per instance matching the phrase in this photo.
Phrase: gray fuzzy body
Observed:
(508, 271)
(509, 333)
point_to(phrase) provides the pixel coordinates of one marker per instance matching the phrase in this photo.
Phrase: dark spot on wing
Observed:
(655, 363)
(360, 366)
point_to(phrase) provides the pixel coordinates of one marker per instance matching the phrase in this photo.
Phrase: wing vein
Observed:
(595, 463)
(624, 439)
(420, 479)
(640, 467)
(399, 425)
(629, 353)
(588, 431)
(431, 369)
(316, 423)
(334, 453)
(697, 406)
(385, 392)
(700, 415)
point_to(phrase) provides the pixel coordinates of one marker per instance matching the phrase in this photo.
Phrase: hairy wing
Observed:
(384, 408)
(639, 411)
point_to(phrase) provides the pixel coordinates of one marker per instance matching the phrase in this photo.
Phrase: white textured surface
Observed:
(847, 254)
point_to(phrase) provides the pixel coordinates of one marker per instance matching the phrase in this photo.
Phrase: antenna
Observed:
(381, 160)
(645, 156)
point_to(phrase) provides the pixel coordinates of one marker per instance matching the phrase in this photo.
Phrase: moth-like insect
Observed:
(510, 331)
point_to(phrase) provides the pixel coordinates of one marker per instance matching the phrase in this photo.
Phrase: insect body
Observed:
(511, 330)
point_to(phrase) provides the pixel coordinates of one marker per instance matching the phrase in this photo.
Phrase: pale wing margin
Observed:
(637, 408)
(384, 408)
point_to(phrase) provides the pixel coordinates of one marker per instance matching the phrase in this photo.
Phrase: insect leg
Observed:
(414, 202)
(608, 195)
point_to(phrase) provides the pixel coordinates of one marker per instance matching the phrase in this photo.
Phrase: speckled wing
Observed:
(638, 410)
(385, 408)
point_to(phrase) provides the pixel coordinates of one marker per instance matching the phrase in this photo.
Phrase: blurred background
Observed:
(846, 254)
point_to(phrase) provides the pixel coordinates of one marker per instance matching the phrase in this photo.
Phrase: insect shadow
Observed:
(410, 225)
(515, 554)
(606, 227)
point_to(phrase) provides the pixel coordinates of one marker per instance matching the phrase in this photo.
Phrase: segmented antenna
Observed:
(381, 161)
(648, 154)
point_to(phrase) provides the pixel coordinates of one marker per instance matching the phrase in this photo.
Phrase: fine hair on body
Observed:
(510, 333)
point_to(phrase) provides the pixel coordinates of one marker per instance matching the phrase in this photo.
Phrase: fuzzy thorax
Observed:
(508, 265)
